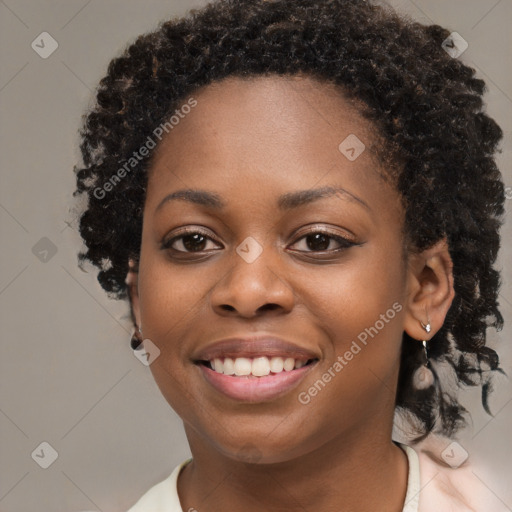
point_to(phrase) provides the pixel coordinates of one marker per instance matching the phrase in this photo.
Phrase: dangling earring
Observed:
(426, 327)
(136, 338)
(423, 377)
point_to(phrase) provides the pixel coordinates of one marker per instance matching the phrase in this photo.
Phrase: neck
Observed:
(358, 471)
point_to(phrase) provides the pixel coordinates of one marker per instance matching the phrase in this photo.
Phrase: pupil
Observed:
(320, 242)
(193, 246)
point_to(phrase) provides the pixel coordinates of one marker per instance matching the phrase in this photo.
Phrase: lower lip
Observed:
(255, 389)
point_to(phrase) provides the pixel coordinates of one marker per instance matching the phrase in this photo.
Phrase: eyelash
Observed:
(344, 243)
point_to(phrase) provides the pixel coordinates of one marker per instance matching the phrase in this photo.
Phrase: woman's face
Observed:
(269, 256)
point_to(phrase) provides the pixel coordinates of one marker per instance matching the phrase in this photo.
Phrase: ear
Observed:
(132, 280)
(430, 290)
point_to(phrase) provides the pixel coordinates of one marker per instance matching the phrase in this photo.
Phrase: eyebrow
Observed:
(286, 202)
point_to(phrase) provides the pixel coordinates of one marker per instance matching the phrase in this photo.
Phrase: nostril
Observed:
(269, 307)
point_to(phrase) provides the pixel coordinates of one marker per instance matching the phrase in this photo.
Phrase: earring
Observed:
(136, 340)
(423, 377)
(426, 327)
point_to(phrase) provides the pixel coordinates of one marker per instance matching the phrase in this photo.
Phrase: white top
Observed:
(432, 485)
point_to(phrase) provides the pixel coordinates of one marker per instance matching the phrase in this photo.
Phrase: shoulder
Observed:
(448, 480)
(162, 497)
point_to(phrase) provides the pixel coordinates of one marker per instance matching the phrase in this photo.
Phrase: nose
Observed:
(250, 289)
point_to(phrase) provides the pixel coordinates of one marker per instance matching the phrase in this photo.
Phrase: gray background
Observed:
(67, 375)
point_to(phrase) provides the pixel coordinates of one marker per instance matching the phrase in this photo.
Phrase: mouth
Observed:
(255, 367)
(255, 379)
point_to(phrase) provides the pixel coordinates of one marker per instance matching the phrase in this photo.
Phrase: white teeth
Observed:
(243, 366)
(289, 364)
(276, 364)
(229, 366)
(258, 366)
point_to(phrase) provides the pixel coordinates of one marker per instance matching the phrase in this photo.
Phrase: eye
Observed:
(196, 240)
(190, 241)
(321, 241)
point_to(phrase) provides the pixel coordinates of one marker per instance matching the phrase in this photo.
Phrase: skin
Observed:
(250, 141)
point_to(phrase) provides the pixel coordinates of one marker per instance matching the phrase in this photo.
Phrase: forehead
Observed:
(273, 132)
(287, 107)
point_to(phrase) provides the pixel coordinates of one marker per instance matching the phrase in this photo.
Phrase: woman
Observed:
(300, 201)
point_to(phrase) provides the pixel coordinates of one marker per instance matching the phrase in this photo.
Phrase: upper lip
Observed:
(253, 346)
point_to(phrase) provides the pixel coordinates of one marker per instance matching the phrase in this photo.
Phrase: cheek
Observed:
(361, 316)
(359, 306)
(170, 295)
(171, 300)
(351, 296)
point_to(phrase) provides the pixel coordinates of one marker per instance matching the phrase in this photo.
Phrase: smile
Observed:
(255, 379)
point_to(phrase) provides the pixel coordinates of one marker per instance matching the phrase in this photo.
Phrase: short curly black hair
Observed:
(425, 105)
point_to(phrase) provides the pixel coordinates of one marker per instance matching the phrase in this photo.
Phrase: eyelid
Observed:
(343, 242)
(167, 241)
(348, 236)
